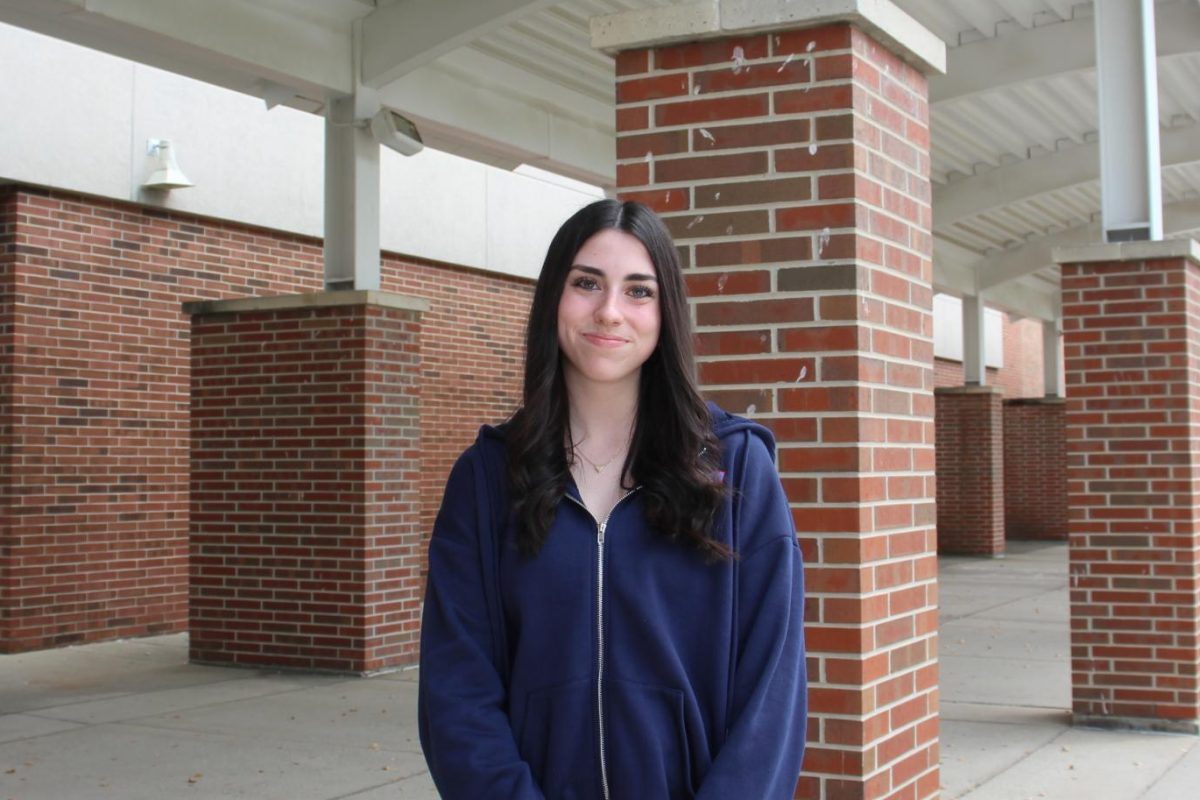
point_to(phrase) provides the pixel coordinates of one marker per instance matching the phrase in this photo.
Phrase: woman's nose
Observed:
(607, 310)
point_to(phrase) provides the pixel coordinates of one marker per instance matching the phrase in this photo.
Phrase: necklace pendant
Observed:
(599, 468)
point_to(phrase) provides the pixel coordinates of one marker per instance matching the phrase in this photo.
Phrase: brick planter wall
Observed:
(1035, 469)
(306, 544)
(970, 467)
(1132, 348)
(96, 372)
(792, 168)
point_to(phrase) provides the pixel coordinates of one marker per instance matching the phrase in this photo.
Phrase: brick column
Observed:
(305, 534)
(792, 167)
(1131, 320)
(1035, 469)
(970, 470)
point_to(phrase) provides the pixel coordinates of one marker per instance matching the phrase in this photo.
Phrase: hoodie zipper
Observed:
(601, 526)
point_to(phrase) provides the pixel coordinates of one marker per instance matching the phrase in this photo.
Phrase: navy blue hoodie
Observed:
(615, 664)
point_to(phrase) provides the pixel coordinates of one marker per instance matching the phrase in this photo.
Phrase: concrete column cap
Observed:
(1129, 251)
(356, 297)
(969, 389)
(710, 19)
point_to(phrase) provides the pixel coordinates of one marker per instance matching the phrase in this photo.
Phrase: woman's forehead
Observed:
(612, 251)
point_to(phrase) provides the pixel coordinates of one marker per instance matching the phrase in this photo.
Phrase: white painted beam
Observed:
(230, 43)
(974, 341)
(1001, 62)
(401, 37)
(1070, 166)
(475, 106)
(1127, 84)
(1031, 257)
(1037, 254)
(351, 200)
(1029, 297)
(1052, 358)
(953, 274)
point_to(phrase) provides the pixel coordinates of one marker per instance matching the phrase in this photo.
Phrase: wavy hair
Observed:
(674, 454)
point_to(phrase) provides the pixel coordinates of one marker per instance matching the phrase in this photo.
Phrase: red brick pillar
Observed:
(792, 167)
(970, 470)
(305, 534)
(1131, 320)
(1035, 469)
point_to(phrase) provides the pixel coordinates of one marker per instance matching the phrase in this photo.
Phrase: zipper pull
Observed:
(600, 531)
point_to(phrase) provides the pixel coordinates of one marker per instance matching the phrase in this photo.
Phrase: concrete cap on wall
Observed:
(356, 297)
(1128, 251)
(711, 19)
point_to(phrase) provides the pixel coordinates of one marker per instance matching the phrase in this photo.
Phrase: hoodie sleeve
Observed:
(464, 728)
(768, 705)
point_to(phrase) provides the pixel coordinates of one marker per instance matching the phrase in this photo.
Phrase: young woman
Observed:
(615, 606)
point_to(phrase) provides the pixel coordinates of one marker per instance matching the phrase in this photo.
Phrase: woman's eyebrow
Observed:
(633, 276)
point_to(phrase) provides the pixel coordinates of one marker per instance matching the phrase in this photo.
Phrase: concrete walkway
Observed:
(1006, 691)
(132, 720)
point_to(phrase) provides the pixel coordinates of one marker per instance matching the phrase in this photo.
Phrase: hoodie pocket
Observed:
(647, 743)
(557, 738)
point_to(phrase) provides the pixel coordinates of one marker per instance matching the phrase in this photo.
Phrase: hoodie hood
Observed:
(726, 425)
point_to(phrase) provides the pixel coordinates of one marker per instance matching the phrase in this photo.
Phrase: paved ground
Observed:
(133, 720)
(1006, 688)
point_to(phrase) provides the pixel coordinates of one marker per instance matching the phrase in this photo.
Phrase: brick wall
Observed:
(792, 169)
(306, 543)
(949, 373)
(970, 461)
(472, 359)
(1132, 347)
(1035, 469)
(98, 456)
(1022, 375)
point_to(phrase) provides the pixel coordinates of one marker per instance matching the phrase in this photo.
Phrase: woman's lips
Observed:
(601, 340)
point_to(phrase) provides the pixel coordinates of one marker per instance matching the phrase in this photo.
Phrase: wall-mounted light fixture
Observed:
(396, 132)
(166, 174)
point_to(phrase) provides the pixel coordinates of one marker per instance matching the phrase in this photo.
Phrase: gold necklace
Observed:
(598, 467)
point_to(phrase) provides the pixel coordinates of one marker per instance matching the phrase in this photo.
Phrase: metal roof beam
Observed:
(1036, 254)
(1071, 166)
(404, 36)
(999, 62)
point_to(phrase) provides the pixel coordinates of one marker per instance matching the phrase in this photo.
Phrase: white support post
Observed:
(1052, 357)
(974, 341)
(1127, 82)
(351, 200)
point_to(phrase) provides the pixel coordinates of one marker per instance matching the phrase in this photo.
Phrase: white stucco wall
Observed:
(78, 119)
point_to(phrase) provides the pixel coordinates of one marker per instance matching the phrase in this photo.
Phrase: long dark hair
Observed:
(674, 455)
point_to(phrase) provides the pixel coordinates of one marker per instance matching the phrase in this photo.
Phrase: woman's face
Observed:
(609, 315)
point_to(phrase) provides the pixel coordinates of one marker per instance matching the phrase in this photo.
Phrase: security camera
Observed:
(396, 132)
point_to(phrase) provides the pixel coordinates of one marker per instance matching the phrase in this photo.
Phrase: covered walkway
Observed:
(133, 719)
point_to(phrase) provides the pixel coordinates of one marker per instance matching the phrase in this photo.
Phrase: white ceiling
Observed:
(1015, 165)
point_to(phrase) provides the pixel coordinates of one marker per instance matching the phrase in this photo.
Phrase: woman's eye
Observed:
(641, 292)
(585, 283)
